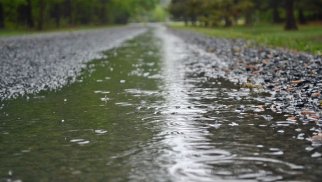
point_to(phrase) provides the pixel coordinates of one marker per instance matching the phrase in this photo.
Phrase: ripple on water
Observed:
(80, 141)
(105, 99)
(123, 104)
(141, 93)
(100, 131)
(101, 92)
(210, 129)
(203, 129)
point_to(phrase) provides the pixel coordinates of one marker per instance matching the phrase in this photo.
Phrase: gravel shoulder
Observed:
(48, 61)
(293, 79)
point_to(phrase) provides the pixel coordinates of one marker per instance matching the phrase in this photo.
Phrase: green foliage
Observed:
(232, 12)
(210, 12)
(57, 13)
(159, 14)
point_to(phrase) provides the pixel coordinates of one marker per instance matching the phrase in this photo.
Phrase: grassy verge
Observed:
(7, 33)
(15, 32)
(308, 38)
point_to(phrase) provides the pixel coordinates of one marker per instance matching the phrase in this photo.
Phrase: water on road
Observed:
(147, 112)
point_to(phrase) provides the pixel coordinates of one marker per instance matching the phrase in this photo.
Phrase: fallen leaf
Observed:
(307, 112)
(297, 81)
(316, 94)
(292, 118)
(251, 67)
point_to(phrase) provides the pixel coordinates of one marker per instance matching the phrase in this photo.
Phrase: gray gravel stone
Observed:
(294, 79)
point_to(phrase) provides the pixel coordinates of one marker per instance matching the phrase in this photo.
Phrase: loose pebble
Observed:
(316, 154)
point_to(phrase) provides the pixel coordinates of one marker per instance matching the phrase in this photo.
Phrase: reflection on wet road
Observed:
(148, 112)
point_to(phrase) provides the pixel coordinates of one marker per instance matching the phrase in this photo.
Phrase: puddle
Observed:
(149, 112)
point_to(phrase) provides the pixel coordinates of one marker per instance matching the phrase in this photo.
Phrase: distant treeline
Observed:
(231, 12)
(40, 14)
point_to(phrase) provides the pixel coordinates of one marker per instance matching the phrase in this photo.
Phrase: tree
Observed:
(301, 16)
(102, 10)
(226, 7)
(178, 11)
(275, 4)
(56, 12)
(308, 11)
(41, 14)
(208, 13)
(68, 11)
(246, 8)
(29, 18)
(290, 23)
(24, 12)
(1, 16)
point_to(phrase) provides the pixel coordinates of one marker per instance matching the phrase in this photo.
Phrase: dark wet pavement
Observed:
(147, 112)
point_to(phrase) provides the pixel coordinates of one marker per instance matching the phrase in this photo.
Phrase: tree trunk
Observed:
(24, 14)
(1, 16)
(302, 18)
(276, 13)
(29, 19)
(206, 23)
(228, 22)
(41, 14)
(193, 20)
(185, 21)
(290, 23)
(55, 13)
(249, 18)
(69, 11)
(103, 13)
(206, 20)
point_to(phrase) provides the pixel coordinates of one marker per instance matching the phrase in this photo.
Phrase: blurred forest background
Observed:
(49, 14)
(212, 13)
(292, 24)
(263, 21)
(44, 14)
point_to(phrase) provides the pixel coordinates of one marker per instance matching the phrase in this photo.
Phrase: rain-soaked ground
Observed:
(145, 113)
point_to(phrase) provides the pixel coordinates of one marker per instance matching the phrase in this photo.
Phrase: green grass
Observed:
(308, 38)
(16, 32)
(7, 33)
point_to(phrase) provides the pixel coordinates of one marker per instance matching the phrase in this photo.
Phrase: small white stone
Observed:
(280, 131)
(233, 124)
(316, 154)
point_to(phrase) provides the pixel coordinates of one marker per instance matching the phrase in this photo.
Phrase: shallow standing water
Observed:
(145, 113)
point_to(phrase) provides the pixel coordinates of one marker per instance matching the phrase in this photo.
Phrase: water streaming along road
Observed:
(146, 112)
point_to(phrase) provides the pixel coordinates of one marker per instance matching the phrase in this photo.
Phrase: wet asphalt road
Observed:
(48, 61)
(161, 107)
(30, 64)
